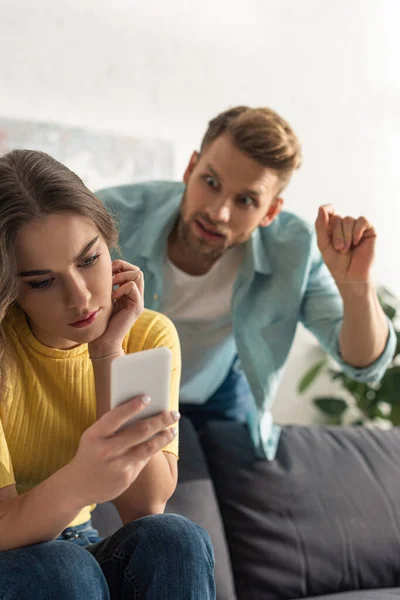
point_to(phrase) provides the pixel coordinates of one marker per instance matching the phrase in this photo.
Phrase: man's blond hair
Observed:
(261, 134)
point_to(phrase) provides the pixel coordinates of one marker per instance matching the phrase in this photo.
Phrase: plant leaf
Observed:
(395, 415)
(390, 311)
(384, 290)
(398, 343)
(331, 405)
(311, 374)
(389, 390)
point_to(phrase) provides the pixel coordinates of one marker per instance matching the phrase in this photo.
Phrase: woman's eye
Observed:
(211, 182)
(89, 262)
(41, 285)
(246, 200)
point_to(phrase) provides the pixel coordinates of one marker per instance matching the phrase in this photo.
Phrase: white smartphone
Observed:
(146, 372)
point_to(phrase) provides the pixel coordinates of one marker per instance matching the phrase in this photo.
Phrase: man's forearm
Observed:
(364, 332)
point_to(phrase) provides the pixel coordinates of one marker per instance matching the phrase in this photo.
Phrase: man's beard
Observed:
(196, 245)
(193, 243)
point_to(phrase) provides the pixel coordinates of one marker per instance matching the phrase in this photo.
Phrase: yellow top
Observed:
(49, 400)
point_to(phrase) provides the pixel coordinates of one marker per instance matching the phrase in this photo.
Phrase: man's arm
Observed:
(365, 329)
(340, 305)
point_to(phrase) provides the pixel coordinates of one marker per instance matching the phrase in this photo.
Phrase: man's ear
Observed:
(272, 213)
(190, 168)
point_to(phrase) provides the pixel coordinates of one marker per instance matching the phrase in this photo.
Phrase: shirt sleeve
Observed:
(158, 332)
(322, 314)
(6, 468)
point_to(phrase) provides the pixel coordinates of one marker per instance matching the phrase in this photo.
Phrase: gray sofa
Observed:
(321, 521)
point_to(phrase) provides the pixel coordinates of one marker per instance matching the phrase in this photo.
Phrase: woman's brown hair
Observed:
(34, 185)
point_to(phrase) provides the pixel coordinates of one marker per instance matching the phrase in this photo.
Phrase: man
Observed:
(236, 274)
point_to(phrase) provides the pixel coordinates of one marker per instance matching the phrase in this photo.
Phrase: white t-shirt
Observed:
(200, 308)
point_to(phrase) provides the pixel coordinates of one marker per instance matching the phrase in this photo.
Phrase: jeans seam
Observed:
(121, 555)
(102, 560)
(133, 580)
(128, 574)
(211, 558)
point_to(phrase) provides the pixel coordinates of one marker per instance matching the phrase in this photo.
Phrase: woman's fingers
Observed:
(129, 289)
(145, 429)
(114, 419)
(135, 275)
(119, 266)
(146, 450)
(126, 276)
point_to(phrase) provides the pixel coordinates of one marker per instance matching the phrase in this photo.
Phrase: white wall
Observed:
(163, 68)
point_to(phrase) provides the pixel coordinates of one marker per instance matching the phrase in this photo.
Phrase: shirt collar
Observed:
(258, 252)
(153, 240)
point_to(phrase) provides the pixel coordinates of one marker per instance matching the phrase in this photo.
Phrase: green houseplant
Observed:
(370, 404)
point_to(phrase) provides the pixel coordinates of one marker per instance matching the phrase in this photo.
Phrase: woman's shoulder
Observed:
(151, 330)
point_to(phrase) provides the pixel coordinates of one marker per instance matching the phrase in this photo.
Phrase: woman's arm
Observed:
(149, 493)
(108, 460)
(40, 514)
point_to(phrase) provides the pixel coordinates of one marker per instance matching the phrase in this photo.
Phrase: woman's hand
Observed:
(127, 308)
(109, 459)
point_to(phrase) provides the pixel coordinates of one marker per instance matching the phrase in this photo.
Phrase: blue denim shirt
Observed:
(282, 281)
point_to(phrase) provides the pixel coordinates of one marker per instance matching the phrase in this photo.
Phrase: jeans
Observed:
(232, 401)
(153, 558)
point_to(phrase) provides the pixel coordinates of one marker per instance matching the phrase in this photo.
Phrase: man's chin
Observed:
(205, 249)
(209, 251)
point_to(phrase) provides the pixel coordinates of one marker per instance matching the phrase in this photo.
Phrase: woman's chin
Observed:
(89, 334)
(96, 332)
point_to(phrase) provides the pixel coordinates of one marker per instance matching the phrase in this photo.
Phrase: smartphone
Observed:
(146, 372)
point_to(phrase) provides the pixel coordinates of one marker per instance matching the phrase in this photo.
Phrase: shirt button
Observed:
(155, 297)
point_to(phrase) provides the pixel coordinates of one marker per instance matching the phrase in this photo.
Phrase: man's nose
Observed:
(219, 212)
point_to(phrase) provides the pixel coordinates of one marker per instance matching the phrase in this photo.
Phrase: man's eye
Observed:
(246, 200)
(211, 181)
(41, 285)
(89, 262)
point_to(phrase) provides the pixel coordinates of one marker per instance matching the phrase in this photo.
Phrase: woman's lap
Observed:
(131, 563)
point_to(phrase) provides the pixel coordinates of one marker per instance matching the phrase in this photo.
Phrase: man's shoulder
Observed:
(288, 222)
(288, 243)
(288, 228)
(148, 194)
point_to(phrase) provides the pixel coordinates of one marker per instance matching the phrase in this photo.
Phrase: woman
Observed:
(66, 311)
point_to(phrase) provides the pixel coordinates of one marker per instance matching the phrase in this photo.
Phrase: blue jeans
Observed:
(154, 558)
(232, 401)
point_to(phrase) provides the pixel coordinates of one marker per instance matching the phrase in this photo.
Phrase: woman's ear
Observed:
(272, 212)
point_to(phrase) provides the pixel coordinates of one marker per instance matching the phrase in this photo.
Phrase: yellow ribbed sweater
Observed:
(49, 399)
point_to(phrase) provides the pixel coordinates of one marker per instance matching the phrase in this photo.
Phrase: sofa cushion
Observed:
(387, 594)
(195, 499)
(322, 518)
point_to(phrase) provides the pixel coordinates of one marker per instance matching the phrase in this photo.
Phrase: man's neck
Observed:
(186, 259)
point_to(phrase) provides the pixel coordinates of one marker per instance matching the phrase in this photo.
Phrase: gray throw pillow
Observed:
(322, 518)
